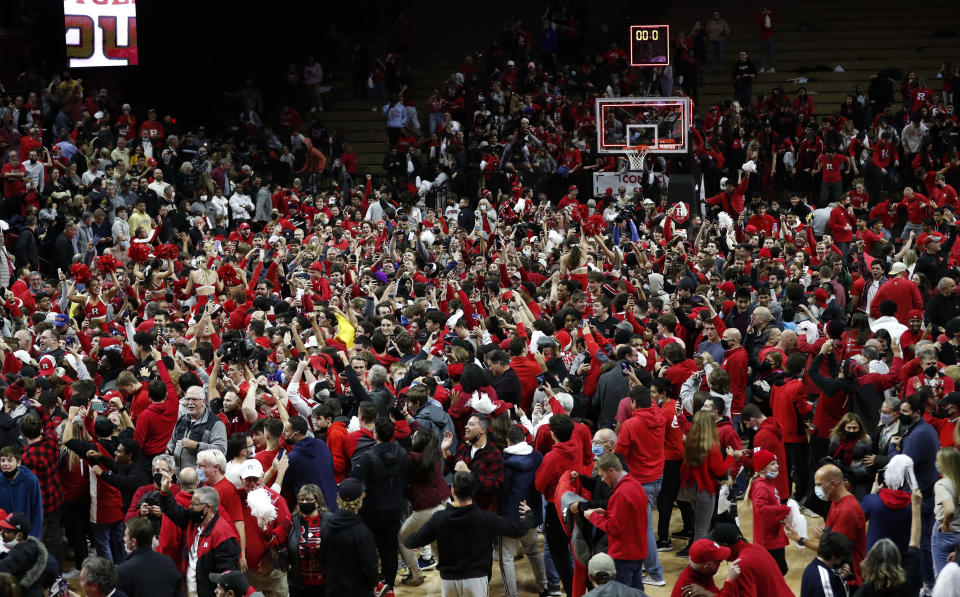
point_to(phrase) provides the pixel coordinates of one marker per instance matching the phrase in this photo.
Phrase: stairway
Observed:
(439, 43)
(860, 36)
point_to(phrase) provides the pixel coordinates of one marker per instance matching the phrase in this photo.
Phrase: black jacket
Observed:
(349, 555)
(147, 573)
(63, 253)
(508, 386)
(383, 470)
(27, 562)
(27, 251)
(464, 537)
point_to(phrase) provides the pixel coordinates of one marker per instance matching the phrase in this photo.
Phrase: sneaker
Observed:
(761, 71)
(411, 582)
(381, 589)
(684, 553)
(425, 565)
(772, 70)
(683, 534)
(665, 545)
(554, 590)
(388, 593)
(648, 581)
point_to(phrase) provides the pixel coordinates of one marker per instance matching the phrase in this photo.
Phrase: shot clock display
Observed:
(649, 45)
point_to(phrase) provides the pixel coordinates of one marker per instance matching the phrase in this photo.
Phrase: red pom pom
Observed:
(167, 251)
(139, 252)
(106, 263)
(595, 225)
(81, 273)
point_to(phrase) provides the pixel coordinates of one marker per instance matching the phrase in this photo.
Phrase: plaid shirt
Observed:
(487, 465)
(42, 458)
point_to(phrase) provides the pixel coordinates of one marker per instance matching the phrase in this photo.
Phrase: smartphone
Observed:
(540, 379)
(624, 366)
(586, 321)
(98, 405)
(68, 341)
(217, 246)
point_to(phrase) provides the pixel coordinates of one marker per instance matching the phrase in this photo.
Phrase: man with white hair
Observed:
(211, 468)
(197, 430)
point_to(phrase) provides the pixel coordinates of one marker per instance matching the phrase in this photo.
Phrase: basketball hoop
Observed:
(636, 156)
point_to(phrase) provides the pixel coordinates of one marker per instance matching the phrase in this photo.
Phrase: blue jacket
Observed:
(23, 494)
(311, 462)
(520, 464)
(921, 443)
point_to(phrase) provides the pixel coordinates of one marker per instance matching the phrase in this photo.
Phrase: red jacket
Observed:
(735, 363)
(641, 442)
(156, 423)
(171, 538)
(901, 291)
(729, 438)
(106, 502)
(336, 439)
(675, 427)
(527, 369)
(841, 224)
(769, 436)
(275, 535)
(789, 404)
(768, 513)
(705, 476)
(918, 207)
(625, 520)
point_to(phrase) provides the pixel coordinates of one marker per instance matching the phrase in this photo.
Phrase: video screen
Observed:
(100, 33)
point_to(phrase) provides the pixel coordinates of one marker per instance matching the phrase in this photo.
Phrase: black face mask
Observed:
(157, 479)
(289, 441)
(725, 344)
(765, 367)
(196, 515)
(851, 435)
(307, 508)
(10, 474)
(931, 371)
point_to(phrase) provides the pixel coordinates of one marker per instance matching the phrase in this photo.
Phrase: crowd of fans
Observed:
(233, 363)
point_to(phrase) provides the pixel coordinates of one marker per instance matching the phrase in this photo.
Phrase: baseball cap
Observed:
(762, 458)
(708, 550)
(601, 562)
(350, 489)
(47, 365)
(245, 226)
(915, 314)
(61, 320)
(951, 398)
(728, 287)
(17, 521)
(897, 268)
(232, 580)
(251, 468)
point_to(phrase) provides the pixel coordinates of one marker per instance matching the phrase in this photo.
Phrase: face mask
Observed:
(157, 479)
(289, 441)
(307, 508)
(196, 515)
(10, 544)
(820, 493)
(597, 451)
(773, 474)
(886, 419)
(725, 344)
(10, 474)
(851, 435)
(201, 476)
(931, 371)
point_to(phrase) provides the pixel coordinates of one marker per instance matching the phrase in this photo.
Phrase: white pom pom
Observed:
(750, 167)
(261, 506)
(724, 220)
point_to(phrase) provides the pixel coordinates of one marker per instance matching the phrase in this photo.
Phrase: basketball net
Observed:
(636, 156)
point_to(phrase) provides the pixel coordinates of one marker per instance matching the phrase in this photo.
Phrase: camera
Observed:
(242, 349)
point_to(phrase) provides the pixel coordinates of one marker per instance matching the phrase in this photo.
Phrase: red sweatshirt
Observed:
(789, 404)
(705, 476)
(735, 363)
(768, 512)
(560, 460)
(625, 520)
(156, 423)
(641, 442)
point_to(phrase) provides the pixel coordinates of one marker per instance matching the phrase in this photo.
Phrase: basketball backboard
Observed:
(649, 45)
(662, 124)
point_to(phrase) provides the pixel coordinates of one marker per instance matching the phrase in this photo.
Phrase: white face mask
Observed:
(10, 544)
(127, 548)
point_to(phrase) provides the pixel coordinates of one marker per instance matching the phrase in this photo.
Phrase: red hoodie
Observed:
(560, 460)
(769, 436)
(641, 442)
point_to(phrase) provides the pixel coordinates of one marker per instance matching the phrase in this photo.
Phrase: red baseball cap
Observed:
(47, 365)
(915, 314)
(245, 226)
(728, 287)
(707, 550)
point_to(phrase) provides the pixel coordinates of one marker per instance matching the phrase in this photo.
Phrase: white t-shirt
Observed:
(192, 564)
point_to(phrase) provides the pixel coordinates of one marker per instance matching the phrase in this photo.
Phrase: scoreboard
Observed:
(100, 32)
(649, 45)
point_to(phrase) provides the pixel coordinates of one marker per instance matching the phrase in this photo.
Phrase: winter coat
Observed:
(383, 470)
(27, 562)
(349, 555)
(520, 464)
(23, 494)
(432, 417)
